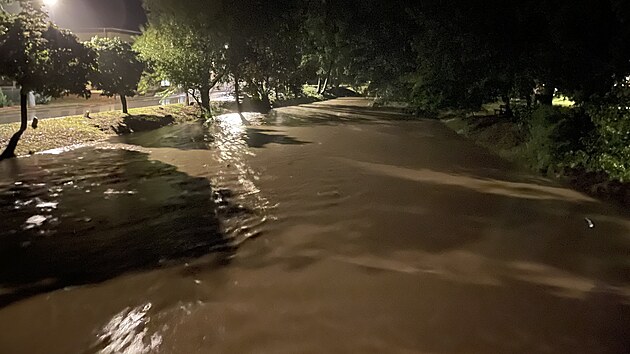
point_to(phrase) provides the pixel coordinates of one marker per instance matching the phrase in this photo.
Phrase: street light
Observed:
(50, 6)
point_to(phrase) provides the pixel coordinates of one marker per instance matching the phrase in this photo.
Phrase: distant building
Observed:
(88, 33)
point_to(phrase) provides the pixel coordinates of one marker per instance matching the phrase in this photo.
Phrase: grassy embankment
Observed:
(568, 143)
(66, 131)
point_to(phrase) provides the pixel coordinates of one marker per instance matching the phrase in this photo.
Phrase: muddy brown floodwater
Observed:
(325, 228)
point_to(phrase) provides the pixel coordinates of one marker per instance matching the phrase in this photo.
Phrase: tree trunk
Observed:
(328, 75)
(9, 152)
(23, 109)
(265, 96)
(545, 97)
(187, 98)
(205, 99)
(266, 104)
(194, 96)
(237, 94)
(508, 106)
(319, 85)
(324, 85)
(123, 100)
(529, 101)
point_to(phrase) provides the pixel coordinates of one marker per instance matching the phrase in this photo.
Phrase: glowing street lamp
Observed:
(50, 6)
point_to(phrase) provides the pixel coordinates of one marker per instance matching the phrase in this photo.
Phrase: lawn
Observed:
(66, 131)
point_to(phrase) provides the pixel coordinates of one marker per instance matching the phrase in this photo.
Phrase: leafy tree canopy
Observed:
(119, 69)
(41, 58)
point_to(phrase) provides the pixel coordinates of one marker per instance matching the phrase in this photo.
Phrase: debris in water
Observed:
(590, 223)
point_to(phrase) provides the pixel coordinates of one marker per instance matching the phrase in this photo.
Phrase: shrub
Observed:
(609, 148)
(40, 99)
(541, 145)
(556, 136)
(4, 100)
(521, 114)
(311, 91)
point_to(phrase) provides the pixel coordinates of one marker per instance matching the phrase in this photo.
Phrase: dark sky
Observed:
(77, 14)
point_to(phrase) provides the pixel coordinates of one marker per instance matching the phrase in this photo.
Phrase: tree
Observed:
(468, 53)
(40, 58)
(181, 43)
(196, 44)
(119, 69)
(327, 27)
(265, 48)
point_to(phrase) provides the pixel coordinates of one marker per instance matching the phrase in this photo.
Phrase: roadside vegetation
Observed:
(41, 58)
(67, 131)
(4, 100)
(119, 69)
(587, 146)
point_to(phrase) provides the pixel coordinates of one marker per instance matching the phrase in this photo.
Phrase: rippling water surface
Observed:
(331, 227)
(89, 215)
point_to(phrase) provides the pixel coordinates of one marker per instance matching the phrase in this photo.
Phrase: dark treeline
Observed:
(433, 53)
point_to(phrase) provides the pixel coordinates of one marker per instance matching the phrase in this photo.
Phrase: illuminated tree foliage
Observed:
(183, 46)
(196, 44)
(40, 58)
(119, 69)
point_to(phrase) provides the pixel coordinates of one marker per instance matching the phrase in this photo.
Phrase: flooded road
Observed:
(330, 227)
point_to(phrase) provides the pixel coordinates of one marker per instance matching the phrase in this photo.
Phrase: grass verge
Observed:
(59, 132)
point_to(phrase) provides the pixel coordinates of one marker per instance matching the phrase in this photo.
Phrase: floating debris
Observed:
(589, 222)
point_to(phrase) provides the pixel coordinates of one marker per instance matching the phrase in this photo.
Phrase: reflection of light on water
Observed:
(126, 333)
(36, 221)
(232, 146)
(232, 123)
(47, 205)
(115, 192)
(61, 150)
(232, 149)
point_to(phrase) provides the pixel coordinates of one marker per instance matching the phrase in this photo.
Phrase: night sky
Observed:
(78, 14)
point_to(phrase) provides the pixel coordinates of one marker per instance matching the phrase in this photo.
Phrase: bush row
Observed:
(594, 137)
